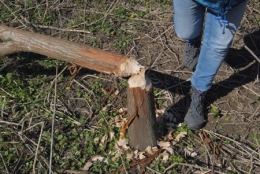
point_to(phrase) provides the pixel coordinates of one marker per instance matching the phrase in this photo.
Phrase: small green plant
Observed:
(228, 117)
(216, 112)
(232, 172)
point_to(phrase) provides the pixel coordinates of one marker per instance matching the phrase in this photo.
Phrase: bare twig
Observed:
(7, 93)
(4, 163)
(62, 29)
(258, 147)
(256, 111)
(7, 122)
(202, 139)
(119, 152)
(252, 53)
(37, 148)
(244, 148)
(154, 171)
(12, 12)
(53, 121)
(189, 165)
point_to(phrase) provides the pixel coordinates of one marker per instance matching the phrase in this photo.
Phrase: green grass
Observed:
(27, 90)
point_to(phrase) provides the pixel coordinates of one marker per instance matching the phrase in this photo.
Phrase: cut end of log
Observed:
(140, 81)
(130, 67)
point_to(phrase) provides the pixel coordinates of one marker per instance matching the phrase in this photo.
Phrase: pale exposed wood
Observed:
(13, 40)
(140, 103)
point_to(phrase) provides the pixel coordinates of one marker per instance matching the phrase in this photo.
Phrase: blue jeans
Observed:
(188, 23)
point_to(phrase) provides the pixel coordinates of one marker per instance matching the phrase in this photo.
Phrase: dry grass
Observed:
(87, 107)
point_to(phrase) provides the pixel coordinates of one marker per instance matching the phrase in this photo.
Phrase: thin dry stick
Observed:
(53, 81)
(12, 13)
(119, 152)
(258, 147)
(163, 33)
(251, 164)
(62, 29)
(7, 122)
(82, 86)
(154, 171)
(252, 53)
(59, 74)
(206, 150)
(3, 105)
(254, 113)
(110, 9)
(7, 93)
(190, 165)
(26, 103)
(251, 90)
(236, 142)
(37, 148)
(53, 121)
(159, 56)
(4, 163)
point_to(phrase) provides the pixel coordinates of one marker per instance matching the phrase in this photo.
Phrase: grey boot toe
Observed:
(194, 117)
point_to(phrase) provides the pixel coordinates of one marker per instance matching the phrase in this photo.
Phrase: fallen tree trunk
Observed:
(13, 40)
(142, 130)
(140, 101)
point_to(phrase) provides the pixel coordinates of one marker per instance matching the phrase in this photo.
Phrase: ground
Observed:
(88, 107)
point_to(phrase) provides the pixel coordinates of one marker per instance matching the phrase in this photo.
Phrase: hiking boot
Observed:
(194, 118)
(191, 55)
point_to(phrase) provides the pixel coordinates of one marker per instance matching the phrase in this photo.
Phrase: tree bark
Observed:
(142, 130)
(140, 101)
(13, 40)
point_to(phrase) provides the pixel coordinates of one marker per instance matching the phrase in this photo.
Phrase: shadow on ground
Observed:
(246, 70)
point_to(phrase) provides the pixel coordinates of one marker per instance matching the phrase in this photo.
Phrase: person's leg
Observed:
(188, 24)
(188, 19)
(214, 49)
(215, 46)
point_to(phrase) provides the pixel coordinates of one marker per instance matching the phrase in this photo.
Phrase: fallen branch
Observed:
(13, 40)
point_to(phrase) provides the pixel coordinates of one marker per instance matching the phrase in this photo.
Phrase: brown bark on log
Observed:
(13, 40)
(140, 103)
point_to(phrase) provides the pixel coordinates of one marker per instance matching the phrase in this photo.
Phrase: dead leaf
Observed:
(99, 158)
(96, 139)
(130, 155)
(111, 135)
(122, 110)
(122, 143)
(149, 150)
(87, 165)
(155, 149)
(104, 139)
(190, 152)
(169, 136)
(141, 155)
(168, 149)
(173, 142)
(180, 135)
(200, 172)
(104, 109)
(165, 156)
(159, 112)
(116, 92)
(163, 143)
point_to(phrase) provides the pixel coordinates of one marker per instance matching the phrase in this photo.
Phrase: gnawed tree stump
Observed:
(140, 101)
(142, 130)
